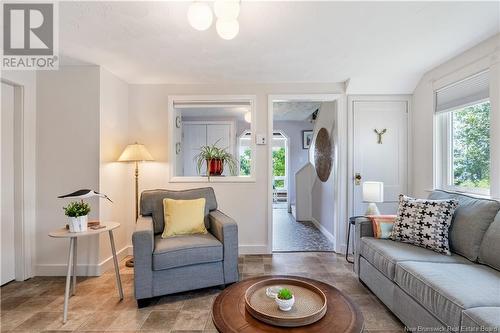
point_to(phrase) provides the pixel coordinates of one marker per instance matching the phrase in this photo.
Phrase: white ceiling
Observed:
(294, 111)
(389, 44)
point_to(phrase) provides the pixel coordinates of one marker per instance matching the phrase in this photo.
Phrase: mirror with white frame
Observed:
(213, 138)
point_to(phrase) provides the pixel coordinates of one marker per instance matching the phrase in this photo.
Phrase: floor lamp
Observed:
(135, 153)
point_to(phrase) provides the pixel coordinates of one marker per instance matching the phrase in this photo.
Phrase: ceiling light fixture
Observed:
(248, 117)
(200, 15)
(227, 29)
(227, 9)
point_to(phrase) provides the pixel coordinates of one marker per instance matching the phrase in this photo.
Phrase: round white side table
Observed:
(73, 239)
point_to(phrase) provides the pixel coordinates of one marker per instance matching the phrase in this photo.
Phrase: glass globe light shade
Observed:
(227, 29)
(200, 15)
(227, 9)
(248, 117)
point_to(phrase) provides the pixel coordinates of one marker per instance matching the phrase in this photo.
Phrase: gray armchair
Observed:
(167, 266)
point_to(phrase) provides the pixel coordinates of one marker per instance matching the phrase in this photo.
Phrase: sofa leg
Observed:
(143, 302)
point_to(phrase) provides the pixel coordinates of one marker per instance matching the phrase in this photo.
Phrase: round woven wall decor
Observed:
(323, 155)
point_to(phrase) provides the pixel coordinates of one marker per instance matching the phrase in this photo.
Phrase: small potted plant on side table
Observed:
(285, 299)
(77, 212)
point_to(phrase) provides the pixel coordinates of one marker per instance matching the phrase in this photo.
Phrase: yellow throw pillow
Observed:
(183, 217)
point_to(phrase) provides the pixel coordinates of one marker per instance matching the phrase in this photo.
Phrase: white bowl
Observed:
(285, 305)
(272, 291)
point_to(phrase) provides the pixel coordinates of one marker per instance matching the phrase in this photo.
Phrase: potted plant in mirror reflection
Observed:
(215, 158)
(77, 212)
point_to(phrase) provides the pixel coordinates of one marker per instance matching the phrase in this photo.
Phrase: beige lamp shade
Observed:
(135, 153)
(373, 192)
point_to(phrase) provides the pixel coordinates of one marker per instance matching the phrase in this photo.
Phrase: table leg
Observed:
(117, 268)
(348, 238)
(68, 280)
(75, 250)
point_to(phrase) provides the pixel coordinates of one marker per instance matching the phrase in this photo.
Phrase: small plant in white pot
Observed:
(78, 213)
(285, 299)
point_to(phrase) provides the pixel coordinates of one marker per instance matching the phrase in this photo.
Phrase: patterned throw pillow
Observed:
(382, 225)
(424, 223)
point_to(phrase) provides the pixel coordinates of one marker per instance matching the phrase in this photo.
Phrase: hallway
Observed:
(292, 236)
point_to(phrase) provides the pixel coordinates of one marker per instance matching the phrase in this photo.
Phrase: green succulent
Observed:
(76, 209)
(285, 294)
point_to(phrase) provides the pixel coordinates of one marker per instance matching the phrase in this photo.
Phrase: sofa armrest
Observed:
(143, 235)
(143, 242)
(363, 228)
(225, 230)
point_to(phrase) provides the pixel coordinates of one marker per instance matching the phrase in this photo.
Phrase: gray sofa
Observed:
(425, 289)
(167, 266)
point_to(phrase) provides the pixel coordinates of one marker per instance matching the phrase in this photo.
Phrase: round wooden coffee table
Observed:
(229, 314)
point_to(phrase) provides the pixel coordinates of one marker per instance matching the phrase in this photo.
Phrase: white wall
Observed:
(323, 193)
(483, 56)
(115, 178)
(67, 159)
(245, 202)
(297, 156)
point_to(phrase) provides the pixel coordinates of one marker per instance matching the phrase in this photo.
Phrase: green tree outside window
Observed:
(245, 160)
(471, 146)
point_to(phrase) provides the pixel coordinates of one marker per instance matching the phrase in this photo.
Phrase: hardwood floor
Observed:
(36, 305)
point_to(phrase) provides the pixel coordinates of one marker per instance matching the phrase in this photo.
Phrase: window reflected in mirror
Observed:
(213, 139)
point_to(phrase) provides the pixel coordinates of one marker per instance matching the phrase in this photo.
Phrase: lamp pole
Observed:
(135, 153)
(136, 190)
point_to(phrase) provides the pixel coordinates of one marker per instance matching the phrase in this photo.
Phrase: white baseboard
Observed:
(342, 248)
(82, 269)
(253, 249)
(323, 230)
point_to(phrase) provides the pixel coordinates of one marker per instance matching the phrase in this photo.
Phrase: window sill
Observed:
(465, 192)
(214, 179)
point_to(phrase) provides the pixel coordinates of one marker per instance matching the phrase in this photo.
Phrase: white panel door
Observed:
(7, 185)
(220, 133)
(194, 136)
(386, 161)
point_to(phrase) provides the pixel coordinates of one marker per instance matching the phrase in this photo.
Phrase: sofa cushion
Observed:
(485, 319)
(472, 218)
(424, 223)
(490, 246)
(446, 289)
(185, 250)
(384, 254)
(152, 203)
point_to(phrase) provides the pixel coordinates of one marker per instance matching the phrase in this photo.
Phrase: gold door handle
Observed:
(357, 179)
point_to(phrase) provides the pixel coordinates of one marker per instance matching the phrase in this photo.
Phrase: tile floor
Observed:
(36, 305)
(290, 235)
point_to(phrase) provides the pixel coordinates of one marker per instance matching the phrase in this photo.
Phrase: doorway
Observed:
(7, 198)
(294, 122)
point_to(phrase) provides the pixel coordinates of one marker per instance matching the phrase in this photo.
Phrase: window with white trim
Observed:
(463, 150)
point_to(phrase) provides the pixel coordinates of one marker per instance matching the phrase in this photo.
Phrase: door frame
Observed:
(339, 191)
(24, 184)
(350, 151)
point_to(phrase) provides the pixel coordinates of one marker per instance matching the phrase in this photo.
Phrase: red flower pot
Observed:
(215, 167)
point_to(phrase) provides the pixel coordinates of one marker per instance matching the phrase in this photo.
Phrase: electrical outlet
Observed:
(261, 139)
